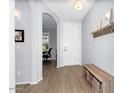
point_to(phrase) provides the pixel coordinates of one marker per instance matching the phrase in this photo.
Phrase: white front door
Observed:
(72, 43)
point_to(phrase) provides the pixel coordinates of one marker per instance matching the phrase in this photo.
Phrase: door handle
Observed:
(65, 49)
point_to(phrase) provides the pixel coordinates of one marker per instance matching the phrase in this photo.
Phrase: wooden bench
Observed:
(99, 80)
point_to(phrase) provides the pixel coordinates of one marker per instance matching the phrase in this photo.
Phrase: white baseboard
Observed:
(36, 82)
(73, 65)
(11, 90)
(80, 64)
(59, 66)
(22, 83)
(69, 65)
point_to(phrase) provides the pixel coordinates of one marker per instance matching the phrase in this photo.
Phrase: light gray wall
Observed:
(99, 51)
(53, 39)
(22, 50)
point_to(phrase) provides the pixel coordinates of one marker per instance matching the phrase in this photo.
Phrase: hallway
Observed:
(60, 80)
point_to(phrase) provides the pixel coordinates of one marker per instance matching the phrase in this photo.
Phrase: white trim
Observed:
(72, 65)
(11, 90)
(36, 38)
(80, 64)
(69, 65)
(33, 83)
(11, 46)
(22, 83)
(59, 66)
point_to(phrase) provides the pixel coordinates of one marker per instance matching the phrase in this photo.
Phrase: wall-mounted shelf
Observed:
(104, 31)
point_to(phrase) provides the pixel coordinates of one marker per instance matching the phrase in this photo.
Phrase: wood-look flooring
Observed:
(21, 88)
(60, 80)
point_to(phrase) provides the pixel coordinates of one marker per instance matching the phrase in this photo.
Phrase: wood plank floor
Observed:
(60, 80)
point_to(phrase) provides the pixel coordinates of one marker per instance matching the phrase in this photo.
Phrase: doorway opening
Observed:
(49, 43)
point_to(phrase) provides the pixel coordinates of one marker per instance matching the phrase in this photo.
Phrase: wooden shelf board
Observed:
(103, 31)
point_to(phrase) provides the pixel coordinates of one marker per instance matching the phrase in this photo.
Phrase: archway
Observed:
(49, 42)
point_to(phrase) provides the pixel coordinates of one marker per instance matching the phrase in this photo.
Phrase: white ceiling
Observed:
(64, 9)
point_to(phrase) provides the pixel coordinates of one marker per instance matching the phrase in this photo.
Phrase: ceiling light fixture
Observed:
(79, 4)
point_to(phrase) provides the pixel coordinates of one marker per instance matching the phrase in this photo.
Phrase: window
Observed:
(45, 44)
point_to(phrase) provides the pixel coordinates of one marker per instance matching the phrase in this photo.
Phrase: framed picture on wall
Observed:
(19, 35)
